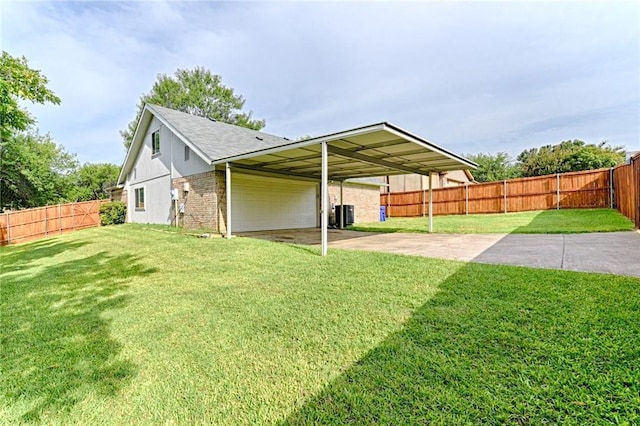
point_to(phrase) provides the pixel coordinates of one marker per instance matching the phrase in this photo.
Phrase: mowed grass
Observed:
(130, 325)
(533, 222)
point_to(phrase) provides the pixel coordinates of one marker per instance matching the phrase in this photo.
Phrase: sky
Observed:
(469, 76)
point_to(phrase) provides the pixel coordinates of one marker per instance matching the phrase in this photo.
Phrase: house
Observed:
(414, 182)
(182, 169)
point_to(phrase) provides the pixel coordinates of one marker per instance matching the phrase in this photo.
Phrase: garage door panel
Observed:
(262, 203)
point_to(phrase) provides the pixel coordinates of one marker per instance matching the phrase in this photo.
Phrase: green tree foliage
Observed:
(18, 83)
(493, 167)
(91, 181)
(568, 156)
(34, 171)
(197, 92)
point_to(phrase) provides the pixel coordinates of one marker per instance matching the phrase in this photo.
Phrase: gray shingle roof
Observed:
(215, 139)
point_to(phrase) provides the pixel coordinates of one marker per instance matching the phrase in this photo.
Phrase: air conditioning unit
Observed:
(347, 211)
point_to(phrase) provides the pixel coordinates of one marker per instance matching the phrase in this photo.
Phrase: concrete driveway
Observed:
(611, 252)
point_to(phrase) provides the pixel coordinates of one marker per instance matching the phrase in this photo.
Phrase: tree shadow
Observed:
(55, 337)
(19, 257)
(497, 347)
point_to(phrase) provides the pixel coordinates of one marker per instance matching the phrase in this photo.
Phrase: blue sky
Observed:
(469, 76)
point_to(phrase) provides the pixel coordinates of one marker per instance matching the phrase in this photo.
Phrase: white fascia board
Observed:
(391, 128)
(180, 136)
(304, 143)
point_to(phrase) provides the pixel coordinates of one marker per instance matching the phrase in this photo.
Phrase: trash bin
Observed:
(383, 213)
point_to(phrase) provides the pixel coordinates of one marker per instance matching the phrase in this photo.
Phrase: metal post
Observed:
(424, 197)
(557, 191)
(324, 214)
(466, 198)
(611, 188)
(341, 208)
(505, 195)
(388, 196)
(430, 203)
(228, 188)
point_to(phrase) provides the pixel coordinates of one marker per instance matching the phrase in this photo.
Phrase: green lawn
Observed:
(124, 325)
(533, 222)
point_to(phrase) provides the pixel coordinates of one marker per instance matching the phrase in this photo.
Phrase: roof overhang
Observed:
(381, 149)
(138, 141)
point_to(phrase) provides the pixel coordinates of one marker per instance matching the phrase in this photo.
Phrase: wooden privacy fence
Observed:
(626, 183)
(590, 189)
(25, 225)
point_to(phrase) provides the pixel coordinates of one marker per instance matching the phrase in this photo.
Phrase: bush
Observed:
(113, 213)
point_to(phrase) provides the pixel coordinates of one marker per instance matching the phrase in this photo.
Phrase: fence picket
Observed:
(27, 224)
(570, 190)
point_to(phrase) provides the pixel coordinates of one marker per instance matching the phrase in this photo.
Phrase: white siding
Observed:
(263, 203)
(149, 166)
(182, 168)
(157, 200)
(155, 173)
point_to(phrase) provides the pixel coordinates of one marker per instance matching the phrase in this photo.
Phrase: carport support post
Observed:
(324, 213)
(341, 208)
(228, 188)
(430, 203)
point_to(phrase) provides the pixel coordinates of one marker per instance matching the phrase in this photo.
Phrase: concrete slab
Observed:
(613, 252)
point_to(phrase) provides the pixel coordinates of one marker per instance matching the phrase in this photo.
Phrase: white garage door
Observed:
(261, 203)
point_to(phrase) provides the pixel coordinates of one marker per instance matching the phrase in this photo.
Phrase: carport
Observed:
(381, 149)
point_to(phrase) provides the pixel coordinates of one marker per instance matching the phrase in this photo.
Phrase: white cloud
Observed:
(468, 76)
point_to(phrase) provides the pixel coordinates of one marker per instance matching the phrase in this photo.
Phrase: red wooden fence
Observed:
(589, 189)
(626, 181)
(25, 225)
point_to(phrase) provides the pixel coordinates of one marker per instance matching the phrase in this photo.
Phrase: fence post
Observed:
(466, 198)
(8, 228)
(60, 218)
(505, 195)
(73, 216)
(611, 188)
(557, 191)
(46, 221)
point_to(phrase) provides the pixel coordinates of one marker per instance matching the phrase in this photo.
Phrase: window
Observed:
(155, 143)
(139, 198)
(186, 153)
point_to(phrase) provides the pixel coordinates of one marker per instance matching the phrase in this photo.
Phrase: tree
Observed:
(197, 92)
(91, 181)
(569, 156)
(493, 167)
(35, 171)
(19, 82)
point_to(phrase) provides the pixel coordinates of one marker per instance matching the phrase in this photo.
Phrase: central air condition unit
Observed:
(346, 211)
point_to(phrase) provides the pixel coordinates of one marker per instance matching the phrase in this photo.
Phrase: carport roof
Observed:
(380, 149)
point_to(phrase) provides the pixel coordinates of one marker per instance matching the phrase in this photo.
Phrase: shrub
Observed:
(113, 213)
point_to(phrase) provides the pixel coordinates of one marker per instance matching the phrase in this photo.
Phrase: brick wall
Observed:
(204, 203)
(365, 199)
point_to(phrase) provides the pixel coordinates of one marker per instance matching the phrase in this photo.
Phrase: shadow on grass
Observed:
(499, 345)
(19, 257)
(56, 346)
